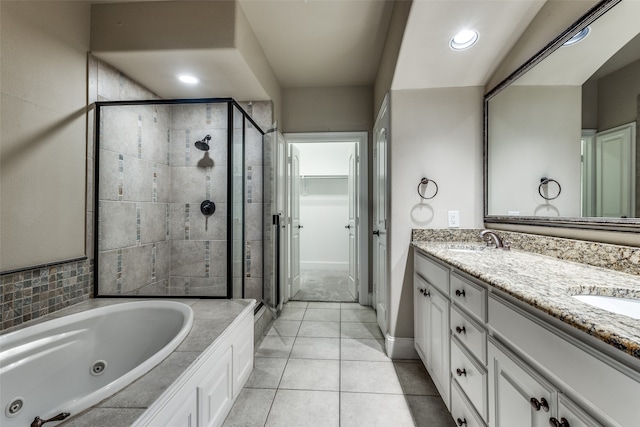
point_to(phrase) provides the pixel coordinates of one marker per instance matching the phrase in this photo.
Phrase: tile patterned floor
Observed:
(324, 285)
(323, 364)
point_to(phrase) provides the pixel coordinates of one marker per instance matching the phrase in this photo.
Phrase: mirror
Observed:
(561, 132)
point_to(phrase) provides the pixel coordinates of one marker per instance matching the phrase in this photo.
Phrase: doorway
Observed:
(609, 172)
(327, 209)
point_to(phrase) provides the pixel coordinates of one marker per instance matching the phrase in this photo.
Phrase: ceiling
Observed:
(612, 43)
(317, 43)
(427, 61)
(321, 43)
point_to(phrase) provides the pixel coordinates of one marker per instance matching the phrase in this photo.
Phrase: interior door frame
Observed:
(361, 139)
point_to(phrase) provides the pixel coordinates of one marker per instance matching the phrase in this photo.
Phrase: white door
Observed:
(587, 176)
(615, 172)
(351, 226)
(295, 221)
(281, 212)
(381, 135)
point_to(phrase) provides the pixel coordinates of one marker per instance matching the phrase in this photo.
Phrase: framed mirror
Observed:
(562, 133)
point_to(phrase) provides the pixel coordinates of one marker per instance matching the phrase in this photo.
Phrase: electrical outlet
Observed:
(454, 219)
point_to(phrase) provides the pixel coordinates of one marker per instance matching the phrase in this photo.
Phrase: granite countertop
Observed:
(211, 318)
(547, 284)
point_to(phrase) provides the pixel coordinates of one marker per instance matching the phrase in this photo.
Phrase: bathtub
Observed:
(72, 363)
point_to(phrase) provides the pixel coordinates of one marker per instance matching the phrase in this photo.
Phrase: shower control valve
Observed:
(207, 208)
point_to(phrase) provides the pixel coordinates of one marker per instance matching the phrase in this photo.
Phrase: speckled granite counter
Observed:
(547, 284)
(211, 318)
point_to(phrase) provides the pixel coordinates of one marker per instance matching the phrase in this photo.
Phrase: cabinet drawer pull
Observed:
(537, 404)
(461, 372)
(460, 293)
(461, 330)
(462, 421)
(553, 422)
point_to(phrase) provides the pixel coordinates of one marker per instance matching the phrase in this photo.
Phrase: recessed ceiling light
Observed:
(580, 35)
(186, 78)
(464, 39)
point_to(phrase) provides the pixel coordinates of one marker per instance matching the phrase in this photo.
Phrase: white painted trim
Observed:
(362, 140)
(400, 348)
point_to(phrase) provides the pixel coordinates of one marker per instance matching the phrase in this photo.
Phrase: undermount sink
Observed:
(625, 306)
(466, 248)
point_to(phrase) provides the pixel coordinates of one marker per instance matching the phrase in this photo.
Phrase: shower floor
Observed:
(324, 285)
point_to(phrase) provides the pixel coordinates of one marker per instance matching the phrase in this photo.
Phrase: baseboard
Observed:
(400, 348)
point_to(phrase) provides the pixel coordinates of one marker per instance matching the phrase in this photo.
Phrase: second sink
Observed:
(625, 306)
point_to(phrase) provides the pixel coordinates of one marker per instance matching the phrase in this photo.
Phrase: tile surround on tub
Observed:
(29, 294)
(614, 257)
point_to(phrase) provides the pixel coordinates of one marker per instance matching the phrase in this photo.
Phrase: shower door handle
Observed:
(376, 233)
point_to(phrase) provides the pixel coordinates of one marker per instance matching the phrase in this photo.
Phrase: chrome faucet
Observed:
(491, 236)
(37, 422)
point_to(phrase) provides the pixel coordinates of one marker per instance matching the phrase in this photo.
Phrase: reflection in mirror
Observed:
(572, 117)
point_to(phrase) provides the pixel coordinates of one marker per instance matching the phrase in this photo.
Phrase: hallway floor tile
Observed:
(330, 369)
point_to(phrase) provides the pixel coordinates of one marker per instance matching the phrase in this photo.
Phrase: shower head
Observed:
(204, 143)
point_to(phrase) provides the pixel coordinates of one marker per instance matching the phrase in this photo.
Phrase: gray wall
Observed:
(327, 109)
(42, 132)
(42, 159)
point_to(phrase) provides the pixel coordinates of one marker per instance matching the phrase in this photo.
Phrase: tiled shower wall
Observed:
(153, 237)
(198, 243)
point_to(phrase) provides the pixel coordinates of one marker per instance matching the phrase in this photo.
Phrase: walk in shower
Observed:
(180, 207)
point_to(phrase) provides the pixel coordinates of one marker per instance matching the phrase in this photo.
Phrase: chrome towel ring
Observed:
(425, 181)
(545, 181)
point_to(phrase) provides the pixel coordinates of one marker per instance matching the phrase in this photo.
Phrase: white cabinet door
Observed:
(517, 395)
(572, 415)
(438, 342)
(420, 316)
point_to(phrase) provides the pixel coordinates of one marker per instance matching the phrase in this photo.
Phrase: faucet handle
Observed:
(506, 245)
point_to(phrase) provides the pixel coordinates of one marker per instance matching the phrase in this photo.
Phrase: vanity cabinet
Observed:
(431, 321)
(521, 396)
(512, 365)
(517, 394)
(469, 348)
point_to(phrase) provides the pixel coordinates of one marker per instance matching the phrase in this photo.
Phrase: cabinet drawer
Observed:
(461, 410)
(470, 334)
(469, 296)
(471, 376)
(434, 273)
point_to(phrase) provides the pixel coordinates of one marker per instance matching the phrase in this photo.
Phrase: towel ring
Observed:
(545, 181)
(425, 181)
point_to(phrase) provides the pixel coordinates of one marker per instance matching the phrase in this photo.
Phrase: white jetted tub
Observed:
(71, 363)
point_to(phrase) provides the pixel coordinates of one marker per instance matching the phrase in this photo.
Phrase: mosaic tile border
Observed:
(29, 294)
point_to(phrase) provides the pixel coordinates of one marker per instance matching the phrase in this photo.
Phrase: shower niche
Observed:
(179, 206)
